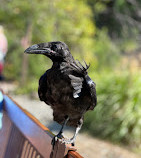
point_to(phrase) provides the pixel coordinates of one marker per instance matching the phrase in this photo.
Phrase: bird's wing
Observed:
(92, 89)
(42, 87)
(77, 83)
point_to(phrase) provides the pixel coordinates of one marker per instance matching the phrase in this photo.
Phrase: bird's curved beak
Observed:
(38, 49)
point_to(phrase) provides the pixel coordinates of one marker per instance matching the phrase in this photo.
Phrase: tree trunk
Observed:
(26, 42)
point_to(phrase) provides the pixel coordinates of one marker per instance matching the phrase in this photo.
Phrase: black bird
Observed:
(66, 87)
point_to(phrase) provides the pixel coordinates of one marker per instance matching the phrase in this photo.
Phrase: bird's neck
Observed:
(58, 63)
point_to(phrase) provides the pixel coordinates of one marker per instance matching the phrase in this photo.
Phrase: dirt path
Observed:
(87, 146)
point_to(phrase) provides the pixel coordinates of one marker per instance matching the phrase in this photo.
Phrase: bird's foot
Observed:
(56, 137)
(69, 141)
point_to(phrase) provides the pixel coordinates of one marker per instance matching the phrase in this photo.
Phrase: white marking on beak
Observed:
(35, 46)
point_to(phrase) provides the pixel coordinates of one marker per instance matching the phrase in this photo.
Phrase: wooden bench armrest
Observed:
(29, 130)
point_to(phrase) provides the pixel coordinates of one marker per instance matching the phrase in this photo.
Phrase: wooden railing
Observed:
(23, 136)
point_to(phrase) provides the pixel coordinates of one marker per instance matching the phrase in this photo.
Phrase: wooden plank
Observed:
(59, 146)
(15, 143)
(4, 134)
(30, 116)
(40, 139)
(74, 154)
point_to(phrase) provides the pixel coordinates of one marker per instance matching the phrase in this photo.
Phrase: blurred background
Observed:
(104, 33)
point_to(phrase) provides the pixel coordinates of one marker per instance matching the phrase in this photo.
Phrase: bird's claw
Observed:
(69, 141)
(64, 140)
(55, 138)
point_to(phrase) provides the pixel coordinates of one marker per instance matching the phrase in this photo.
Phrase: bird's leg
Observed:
(60, 134)
(72, 140)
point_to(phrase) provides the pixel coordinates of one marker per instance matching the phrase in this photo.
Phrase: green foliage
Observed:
(120, 17)
(106, 51)
(118, 113)
(30, 88)
(49, 20)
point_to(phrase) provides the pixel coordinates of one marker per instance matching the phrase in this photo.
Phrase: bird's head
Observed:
(56, 51)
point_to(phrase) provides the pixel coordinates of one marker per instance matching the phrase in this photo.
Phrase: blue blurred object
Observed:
(1, 106)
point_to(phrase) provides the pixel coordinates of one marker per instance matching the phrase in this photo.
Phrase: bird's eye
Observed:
(54, 48)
